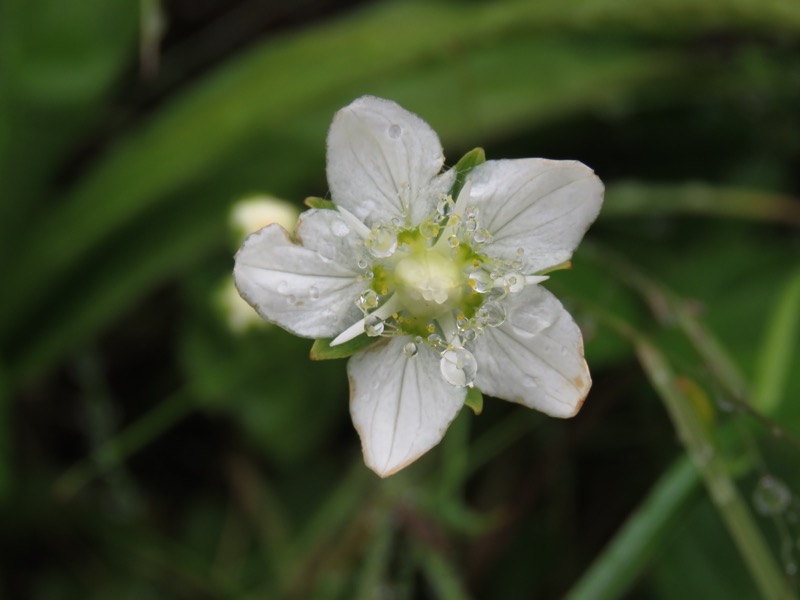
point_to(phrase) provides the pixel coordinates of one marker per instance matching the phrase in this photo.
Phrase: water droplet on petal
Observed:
(452, 241)
(428, 229)
(458, 367)
(291, 299)
(469, 335)
(362, 263)
(395, 131)
(513, 282)
(283, 287)
(313, 292)
(771, 496)
(471, 212)
(373, 325)
(340, 228)
(435, 341)
(470, 224)
(492, 313)
(445, 207)
(410, 349)
(480, 281)
(381, 242)
(482, 236)
(367, 300)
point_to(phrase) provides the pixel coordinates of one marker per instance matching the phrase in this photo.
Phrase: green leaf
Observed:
(778, 349)
(314, 202)
(464, 166)
(616, 569)
(322, 349)
(474, 400)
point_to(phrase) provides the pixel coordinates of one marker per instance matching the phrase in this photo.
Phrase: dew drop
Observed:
(513, 282)
(340, 228)
(470, 224)
(283, 287)
(469, 335)
(471, 212)
(445, 207)
(428, 229)
(452, 241)
(291, 299)
(482, 236)
(381, 242)
(458, 367)
(367, 300)
(480, 281)
(410, 349)
(492, 313)
(373, 325)
(435, 340)
(362, 263)
(313, 292)
(395, 131)
(771, 496)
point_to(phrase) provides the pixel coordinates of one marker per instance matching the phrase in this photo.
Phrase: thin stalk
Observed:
(726, 497)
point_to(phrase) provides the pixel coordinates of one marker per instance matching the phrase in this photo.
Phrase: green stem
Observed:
(117, 449)
(726, 497)
(621, 562)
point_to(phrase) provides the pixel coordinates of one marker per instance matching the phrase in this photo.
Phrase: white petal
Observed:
(535, 357)
(400, 406)
(308, 289)
(383, 162)
(543, 206)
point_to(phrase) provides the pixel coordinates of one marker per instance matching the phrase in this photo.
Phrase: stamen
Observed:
(357, 328)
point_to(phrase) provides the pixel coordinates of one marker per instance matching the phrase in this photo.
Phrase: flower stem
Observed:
(726, 497)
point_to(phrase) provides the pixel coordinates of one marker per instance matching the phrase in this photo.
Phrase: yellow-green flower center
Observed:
(428, 280)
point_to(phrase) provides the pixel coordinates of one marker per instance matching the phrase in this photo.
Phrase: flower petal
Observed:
(383, 162)
(542, 206)
(535, 357)
(308, 289)
(400, 406)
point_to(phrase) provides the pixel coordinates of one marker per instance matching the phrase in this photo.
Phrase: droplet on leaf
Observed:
(771, 496)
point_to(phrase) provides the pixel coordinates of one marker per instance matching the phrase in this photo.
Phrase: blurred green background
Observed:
(148, 451)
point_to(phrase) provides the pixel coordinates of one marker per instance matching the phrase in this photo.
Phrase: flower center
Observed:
(434, 284)
(428, 281)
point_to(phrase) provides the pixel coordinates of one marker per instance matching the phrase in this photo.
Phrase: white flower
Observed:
(451, 285)
(254, 212)
(246, 216)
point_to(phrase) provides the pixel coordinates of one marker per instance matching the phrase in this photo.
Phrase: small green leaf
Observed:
(322, 349)
(314, 202)
(463, 168)
(474, 400)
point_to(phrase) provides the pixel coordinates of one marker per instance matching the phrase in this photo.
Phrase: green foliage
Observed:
(322, 349)
(187, 460)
